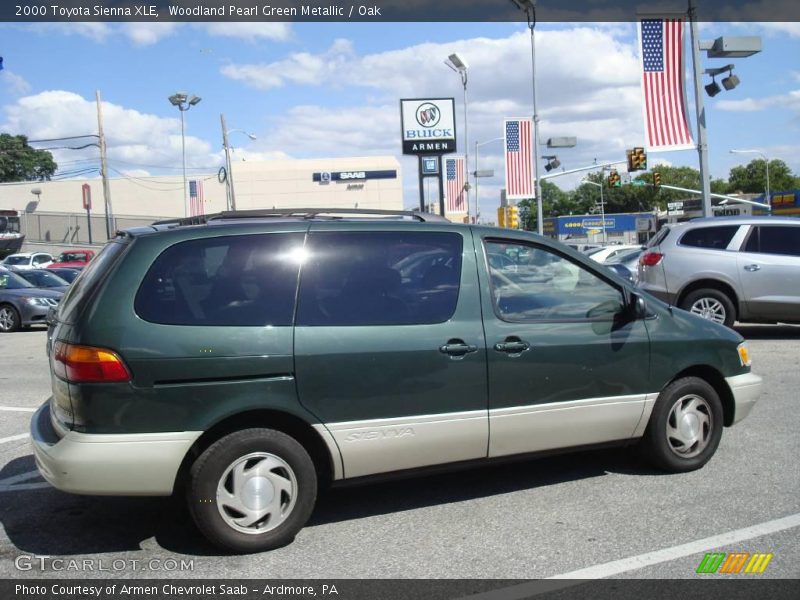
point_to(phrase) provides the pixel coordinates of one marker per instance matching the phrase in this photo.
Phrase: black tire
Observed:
(10, 320)
(217, 521)
(674, 453)
(713, 298)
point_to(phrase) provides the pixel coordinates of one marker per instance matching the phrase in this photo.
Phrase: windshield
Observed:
(44, 279)
(72, 257)
(12, 281)
(17, 260)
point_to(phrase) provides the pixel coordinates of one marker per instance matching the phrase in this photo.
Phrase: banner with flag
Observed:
(455, 177)
(663, 84)
(519, 158)
(196, 198)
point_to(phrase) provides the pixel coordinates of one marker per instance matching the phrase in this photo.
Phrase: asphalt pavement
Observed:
(587, 514)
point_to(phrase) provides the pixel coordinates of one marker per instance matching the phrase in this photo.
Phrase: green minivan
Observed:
(248, 359)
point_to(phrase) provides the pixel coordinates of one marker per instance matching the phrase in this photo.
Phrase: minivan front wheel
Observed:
(685, 426)
(711, 304)
(252, 490)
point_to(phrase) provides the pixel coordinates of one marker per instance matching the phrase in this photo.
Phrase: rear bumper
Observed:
(746, 389)
(143, 464)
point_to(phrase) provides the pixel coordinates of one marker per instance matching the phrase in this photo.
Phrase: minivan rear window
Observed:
(379, 278)
(243, 280)
(715, 238)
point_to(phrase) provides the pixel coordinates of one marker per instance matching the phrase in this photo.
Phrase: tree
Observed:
(20, 162)
(752, 178)
(555, 202)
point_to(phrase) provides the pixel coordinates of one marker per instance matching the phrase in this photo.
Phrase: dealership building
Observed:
(53, 212)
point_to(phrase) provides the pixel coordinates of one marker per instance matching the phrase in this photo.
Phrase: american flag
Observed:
(454, 175)
(519, 162)
(196, 198)
(665, 124)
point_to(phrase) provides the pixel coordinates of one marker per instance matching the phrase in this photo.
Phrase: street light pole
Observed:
(766, 163)
(183, 102)
(602, 207)
(231, 203)
(459, 65)
(702, 143)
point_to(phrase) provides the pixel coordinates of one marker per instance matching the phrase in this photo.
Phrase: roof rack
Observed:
(302, 213)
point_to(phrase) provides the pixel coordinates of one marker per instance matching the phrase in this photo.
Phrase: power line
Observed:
(61, 139)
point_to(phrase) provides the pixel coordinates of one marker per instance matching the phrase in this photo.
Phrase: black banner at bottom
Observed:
(389, 589)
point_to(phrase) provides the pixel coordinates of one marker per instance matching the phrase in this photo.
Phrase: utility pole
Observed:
(702, 143)
(228, 174)
(104, 166)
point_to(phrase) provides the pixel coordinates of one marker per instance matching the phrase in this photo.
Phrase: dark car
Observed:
(44, 278)
(68, 274)
(21, 303)
(246, 359)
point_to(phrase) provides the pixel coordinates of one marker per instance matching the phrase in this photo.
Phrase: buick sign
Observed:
(428, 125)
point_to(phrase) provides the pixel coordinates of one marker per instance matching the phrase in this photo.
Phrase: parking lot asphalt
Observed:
(605, 510)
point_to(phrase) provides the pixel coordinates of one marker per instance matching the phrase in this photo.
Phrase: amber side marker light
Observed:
(86, 364)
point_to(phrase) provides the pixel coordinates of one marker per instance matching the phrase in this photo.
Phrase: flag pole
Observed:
(702, 144)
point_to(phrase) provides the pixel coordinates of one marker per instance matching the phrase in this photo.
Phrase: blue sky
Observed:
(330, 90)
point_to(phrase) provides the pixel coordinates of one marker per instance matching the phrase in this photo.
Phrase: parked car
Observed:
(621, 270)
(28, 260)
(727, 269)
(609, 253)
(68, 274)
(629, 259)
(248, 359)
(22, 304)
(585, 248)
(43, 278)
(73, 258)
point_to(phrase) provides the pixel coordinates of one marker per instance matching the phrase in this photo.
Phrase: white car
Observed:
(608, 253)
(25, 261)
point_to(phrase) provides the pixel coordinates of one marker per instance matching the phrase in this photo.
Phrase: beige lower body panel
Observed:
(539, 427)
(384, 445)
(746, 389)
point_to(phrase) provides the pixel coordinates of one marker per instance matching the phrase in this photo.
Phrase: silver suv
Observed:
(727, 269)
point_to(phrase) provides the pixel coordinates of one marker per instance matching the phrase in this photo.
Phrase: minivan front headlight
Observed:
(744, 354)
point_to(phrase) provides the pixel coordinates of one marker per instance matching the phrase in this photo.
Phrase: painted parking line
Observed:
(14, 438)
(633, 563)
(17, 409)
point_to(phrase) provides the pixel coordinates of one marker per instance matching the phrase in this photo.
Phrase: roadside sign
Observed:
(86, 192)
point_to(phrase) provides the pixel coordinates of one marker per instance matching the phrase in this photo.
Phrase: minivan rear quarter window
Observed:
(245, 280)
(380, 278)
(715, 238)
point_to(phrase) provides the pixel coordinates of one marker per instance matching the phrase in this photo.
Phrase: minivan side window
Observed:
(244, 280)
(530, 283)
(774, 239)
(379, 278)
(715, 238)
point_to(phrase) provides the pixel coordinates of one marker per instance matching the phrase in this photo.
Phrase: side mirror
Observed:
(637, 306)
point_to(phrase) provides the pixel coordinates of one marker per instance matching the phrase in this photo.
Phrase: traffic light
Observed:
(639, 159)
(513, 217)
(614, 179)
(656, 179)
(501, 216)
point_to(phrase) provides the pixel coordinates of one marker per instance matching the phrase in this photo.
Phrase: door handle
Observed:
(456, 347)
(752, 268)
(512, 346)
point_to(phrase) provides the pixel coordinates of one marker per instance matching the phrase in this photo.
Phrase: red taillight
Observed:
(650, 259)
(85, 364)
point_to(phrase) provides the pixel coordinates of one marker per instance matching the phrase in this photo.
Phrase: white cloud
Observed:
(278, 32)
(95, 31)
(17, 85)
(146, 34)
(135, 140)
(790, 100)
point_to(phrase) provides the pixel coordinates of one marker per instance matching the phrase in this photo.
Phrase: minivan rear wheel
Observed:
(711, 304)
(685, 426)
(252, 490)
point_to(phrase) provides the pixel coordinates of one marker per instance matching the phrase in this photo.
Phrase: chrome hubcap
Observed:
(6, 319)
(689, 426)
(256, 493)
(709, 308)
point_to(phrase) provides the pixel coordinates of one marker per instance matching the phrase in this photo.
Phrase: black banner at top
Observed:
(391, 10)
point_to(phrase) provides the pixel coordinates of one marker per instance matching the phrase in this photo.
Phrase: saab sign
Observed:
(347, 176)
(428, 125)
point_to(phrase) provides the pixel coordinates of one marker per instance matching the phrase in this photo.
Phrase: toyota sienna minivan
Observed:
(247, 359)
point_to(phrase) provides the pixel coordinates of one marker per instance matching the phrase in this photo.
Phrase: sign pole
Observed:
(441, 185)
(86, 195)
(421, 179)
